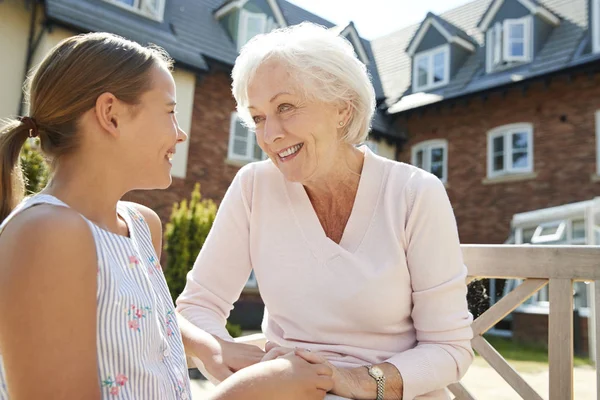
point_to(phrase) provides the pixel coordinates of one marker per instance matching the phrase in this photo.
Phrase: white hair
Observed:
(323, 64)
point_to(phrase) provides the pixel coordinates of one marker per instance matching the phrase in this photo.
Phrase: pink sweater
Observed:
(392, 291)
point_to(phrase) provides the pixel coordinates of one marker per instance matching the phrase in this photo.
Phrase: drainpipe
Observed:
(31, 46)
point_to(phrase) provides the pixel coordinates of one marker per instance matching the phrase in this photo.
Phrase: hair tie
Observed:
(31, 125)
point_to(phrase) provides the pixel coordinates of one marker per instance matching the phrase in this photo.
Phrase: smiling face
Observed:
(150, 136)
(301, 136)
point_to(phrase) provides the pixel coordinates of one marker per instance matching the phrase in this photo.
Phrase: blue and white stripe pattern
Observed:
(140, 352)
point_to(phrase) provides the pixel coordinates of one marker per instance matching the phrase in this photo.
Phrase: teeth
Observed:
(290, 151)
(170, 156)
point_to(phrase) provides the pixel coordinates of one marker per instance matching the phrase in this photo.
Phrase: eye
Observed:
(257, 119)
(284, 107)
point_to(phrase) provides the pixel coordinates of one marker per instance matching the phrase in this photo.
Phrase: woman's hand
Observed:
(345, 383)
(222, 358)
(273, 351)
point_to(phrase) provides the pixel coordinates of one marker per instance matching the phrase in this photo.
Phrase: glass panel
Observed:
(498, 163)
(519, 141)
(150, 6)
(419, 159)
(549, 230)
(520, 160)
(528, 234)
(578, 229)
(517, 48)
(127, 2)
(439, 67)
(580, 295)
(438, 170)
(422, 68)
(437, 154)
(498, 144)
(258, 154)
(517, 31)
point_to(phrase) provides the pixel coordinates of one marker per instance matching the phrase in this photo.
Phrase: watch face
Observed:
(377, 372)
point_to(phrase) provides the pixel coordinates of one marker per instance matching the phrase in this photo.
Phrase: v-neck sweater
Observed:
(393, 290)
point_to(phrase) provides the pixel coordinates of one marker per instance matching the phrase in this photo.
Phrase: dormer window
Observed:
(251, 24)
(509, 42)
(431, 68)
(153, 9)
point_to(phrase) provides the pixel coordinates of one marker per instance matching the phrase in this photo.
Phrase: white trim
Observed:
(278, 14)
(137, 9)
(532, 7)
(229, 7)
(445, 48)
(539, 238)
(595, 27)
(426, 147)
(506, 132)
(350, 33)
(598, 143)
(243, 38)
(443, 31)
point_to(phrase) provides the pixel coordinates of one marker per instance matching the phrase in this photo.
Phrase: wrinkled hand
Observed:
(223, 358)
(300, 375)
(344, 382)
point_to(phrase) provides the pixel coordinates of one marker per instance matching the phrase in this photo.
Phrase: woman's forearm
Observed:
(366, 386)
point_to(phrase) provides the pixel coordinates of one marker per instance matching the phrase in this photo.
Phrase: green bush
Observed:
(35, 169)
(184, 236)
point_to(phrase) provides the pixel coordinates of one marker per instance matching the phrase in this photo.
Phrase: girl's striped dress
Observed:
(140, 352)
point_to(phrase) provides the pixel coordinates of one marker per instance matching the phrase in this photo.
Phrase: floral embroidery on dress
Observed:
(133, 261)
(154, 265)
(170, 323)
(114, 385)
(183, 394)
(135, 215)
(136, 314)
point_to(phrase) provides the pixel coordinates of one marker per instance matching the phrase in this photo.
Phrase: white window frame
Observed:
(538, 238)
(250, 143)
(430, 54)
(506, 132)
(598, 142)
(138, 8)
(595, 26)
(498, 44)
(427, 147)
(245, 15)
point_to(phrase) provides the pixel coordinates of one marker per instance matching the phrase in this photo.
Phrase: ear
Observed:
(107, 107)
(344, 113)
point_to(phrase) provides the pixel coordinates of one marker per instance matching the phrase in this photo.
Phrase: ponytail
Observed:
(13, 135)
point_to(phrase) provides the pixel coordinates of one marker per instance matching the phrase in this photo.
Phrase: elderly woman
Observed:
(357, 257)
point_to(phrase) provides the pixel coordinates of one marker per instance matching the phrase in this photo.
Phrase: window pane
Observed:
(517, 31)
(439, 66)
(438, 170)
(578, 229)
(498, 145)
(422, 68)
(519, 160)
(519, 141)
(549, 230)
(127, 2)
(437, 155)
(528, 234)
(498, 164)
(517, 48)
(419, 159)
(257, 149)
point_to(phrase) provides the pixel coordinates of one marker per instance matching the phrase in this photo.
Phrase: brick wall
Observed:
(564, 152)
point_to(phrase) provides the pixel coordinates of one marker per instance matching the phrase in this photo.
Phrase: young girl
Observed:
(85, 312)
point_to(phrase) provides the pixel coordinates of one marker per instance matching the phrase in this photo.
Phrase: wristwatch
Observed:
(377, 374)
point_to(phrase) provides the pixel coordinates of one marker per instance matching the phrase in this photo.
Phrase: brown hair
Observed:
(64, 86)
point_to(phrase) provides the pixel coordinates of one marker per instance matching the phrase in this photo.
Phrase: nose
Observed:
(181, 135)
(272, 130)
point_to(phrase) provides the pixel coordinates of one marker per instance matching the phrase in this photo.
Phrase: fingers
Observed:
(270, 346)
(276, 352)
(323, 369)
(324, 383)
(312, 358)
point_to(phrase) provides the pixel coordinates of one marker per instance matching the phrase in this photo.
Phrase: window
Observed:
(251, 24)
(431, 69)
(510, 150)
(251, 283)
(509, 42)
(153, 9)
(242, 142)
(372, 145)
(432, 156)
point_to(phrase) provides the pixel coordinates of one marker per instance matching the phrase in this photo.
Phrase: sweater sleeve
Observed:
(223, 265)
(440, 312)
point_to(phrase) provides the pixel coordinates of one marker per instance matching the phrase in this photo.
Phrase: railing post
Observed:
(560, 339)
(596, 334)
